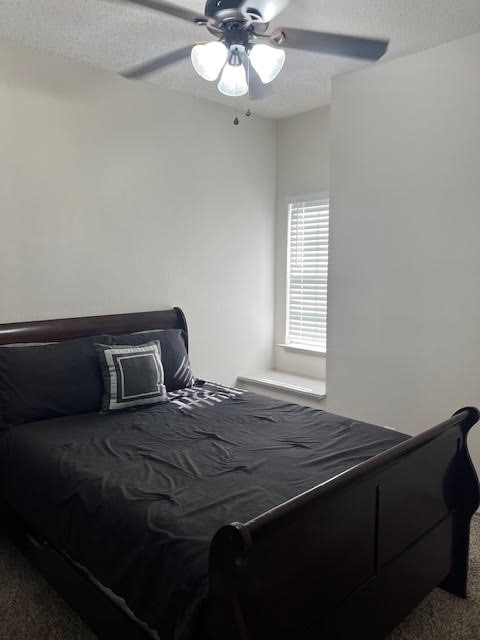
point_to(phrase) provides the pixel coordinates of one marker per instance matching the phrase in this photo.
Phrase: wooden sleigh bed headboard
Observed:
(68, 328)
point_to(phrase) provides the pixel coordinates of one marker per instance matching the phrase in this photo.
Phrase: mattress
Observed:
(136, 497)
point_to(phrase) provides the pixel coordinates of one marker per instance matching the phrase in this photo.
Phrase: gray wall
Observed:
(117, 196)
(404, 307)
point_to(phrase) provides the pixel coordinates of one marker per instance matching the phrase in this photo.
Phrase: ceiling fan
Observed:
(244, 57)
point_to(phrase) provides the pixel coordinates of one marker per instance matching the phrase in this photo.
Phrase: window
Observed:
(307, 272)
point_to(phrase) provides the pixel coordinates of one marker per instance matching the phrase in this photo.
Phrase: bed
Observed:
(222, 514)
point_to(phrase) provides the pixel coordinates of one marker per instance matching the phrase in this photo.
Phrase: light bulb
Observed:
(267, 61)
(233, 81)
(208, 59)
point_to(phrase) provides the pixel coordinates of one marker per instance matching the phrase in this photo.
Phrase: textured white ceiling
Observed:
(115, 35)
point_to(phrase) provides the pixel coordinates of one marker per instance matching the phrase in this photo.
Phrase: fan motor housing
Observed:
(221, 9)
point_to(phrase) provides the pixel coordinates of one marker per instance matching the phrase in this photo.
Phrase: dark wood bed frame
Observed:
(349, 558)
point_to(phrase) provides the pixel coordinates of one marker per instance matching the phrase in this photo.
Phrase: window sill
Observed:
(302, 349)
(302, 386)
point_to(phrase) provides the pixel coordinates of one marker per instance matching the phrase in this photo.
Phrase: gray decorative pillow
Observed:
(132, 376)
(43, 381)
(176, 365)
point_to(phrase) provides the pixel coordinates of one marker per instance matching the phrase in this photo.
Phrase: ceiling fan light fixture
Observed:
(209, 59)
(233, 81)
(267, 61)
(245, 57)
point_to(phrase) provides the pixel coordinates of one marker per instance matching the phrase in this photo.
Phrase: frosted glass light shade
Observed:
(209, 59)
(233, 81)
(267, 61)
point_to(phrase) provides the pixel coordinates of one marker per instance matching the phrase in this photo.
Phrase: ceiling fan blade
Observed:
(268, 9)
(256, 89)
(158, 63)
(330, 43)
(173, 10)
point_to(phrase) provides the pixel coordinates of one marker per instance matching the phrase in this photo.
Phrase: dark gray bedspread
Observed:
(137, 497)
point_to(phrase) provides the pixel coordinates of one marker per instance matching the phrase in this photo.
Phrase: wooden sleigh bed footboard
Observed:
(352, 557)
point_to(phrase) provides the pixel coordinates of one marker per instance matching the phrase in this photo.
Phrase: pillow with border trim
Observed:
(133, 376)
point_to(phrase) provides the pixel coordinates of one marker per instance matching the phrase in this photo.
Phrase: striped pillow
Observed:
(132, 376)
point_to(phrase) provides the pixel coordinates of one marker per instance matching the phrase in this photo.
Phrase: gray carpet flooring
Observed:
(31, 609)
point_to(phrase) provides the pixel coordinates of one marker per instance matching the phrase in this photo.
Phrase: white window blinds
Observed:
(307, 273)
